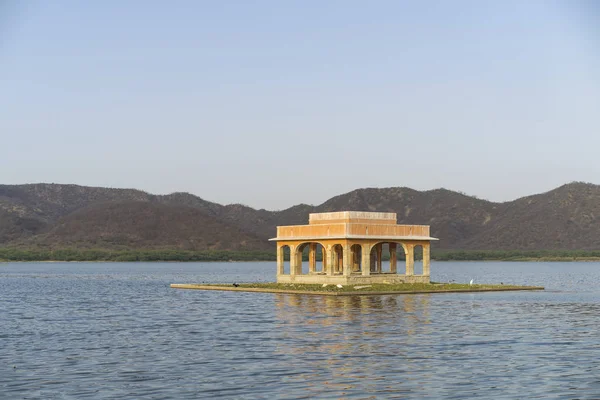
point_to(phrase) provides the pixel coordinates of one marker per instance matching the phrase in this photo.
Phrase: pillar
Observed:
(379, 249)
(340, 259)
(330, 260)
(324, 259)
(426, 259)
(298, 261)
(366, 259)
(410, 259)
(346, 261)
(312, 258)
(280, 260)
(393, 258)
(293, 260)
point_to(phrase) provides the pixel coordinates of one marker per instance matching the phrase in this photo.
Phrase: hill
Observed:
(54, 216)
(145, 225)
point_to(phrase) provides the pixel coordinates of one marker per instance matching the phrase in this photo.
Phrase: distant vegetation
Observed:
(19, 254)
(7, 254)
(516, 255)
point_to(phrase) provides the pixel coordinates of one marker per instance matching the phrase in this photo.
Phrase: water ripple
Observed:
(79, 331)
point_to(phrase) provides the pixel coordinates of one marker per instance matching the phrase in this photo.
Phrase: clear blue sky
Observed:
(273, 103)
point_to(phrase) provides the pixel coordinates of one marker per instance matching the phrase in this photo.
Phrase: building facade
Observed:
(351, 246)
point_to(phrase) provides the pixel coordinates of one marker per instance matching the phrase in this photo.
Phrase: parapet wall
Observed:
(343, 230)
(352, 216)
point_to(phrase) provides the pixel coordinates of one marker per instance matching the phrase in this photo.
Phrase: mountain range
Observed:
(70, 216)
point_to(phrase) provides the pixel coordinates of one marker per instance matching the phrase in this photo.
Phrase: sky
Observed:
(275, 103)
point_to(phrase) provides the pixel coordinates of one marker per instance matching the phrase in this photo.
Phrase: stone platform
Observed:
(354, 279)
(350, 291)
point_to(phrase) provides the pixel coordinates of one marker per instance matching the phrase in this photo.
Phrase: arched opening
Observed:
(387, 258)
(356, 258)
(378, 258)
(310, 259)
(396, 258)
(337, 258)
(283, 258)
(373, 260)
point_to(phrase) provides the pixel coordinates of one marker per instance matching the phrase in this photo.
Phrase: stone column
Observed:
(293, 260)
(426, 259)
(330, 260)
(393, 258)
(379, 250)
(324, 258)
(366, 259)
(312, 258)
(340, 259)
(410, 260)
(280, 260)
(299, 262)
(355, 258)
(346, 261)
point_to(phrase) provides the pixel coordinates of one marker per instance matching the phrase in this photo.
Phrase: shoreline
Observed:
(373, 290)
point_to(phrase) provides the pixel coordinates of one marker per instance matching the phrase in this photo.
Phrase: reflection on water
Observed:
(406, 313)
(76, 331)
(341, 337)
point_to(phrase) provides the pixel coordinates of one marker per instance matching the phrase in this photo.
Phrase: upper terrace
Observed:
(353, 225)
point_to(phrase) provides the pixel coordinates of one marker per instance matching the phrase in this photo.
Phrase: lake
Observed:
(117, 330)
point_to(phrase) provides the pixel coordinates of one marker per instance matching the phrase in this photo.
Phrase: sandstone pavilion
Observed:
(351, 245)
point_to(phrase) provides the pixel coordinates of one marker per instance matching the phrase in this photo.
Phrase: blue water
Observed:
(115, 331)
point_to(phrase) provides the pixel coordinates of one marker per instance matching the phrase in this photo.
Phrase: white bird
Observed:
(339, 286)
(471, 282)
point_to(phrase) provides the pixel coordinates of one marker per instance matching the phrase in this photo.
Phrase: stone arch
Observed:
(312, 266)
(404, 247)
(303, 244)
(337, 259)
(396, 250)
(373, 259)
(283, 259)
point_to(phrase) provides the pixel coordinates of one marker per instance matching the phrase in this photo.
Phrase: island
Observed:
(351, 245)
